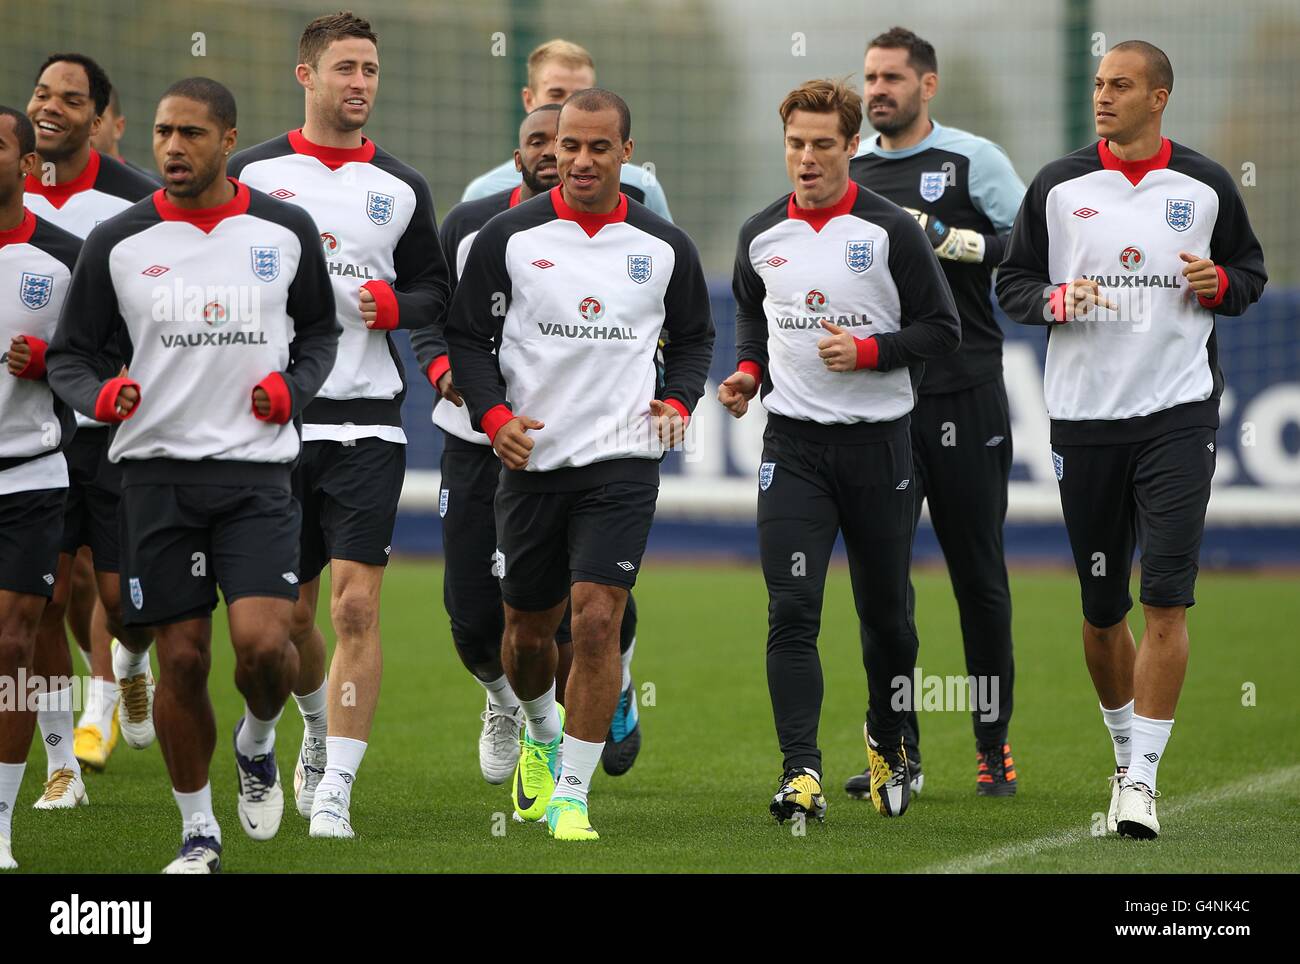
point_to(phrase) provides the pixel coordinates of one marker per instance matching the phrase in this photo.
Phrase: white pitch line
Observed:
(1254, 785)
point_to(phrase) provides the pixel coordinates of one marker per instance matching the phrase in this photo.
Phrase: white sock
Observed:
(197, 818)
(580, 759)
(342, 761)
(1119, 722)
(11, 778)
(312, 708)
(1149, 739)
(101, 700)
(543, 716)
(627, 666)
(256, 736)
(499, 692)
(54, 714)
(127, 664)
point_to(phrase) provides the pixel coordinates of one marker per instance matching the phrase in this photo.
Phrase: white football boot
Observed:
(308, 772)
(330, 816)
(261, 798)
(64, 790)
(1137, 812)
(498, 743)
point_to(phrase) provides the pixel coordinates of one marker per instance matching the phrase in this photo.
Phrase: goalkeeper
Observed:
(965, 194)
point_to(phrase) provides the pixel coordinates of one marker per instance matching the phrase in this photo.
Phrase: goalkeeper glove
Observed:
(951, 244)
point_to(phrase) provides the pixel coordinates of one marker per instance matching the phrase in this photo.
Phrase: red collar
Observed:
(514, 196)
(1135, 170)
(333, 157)
(21, 234)
(58, 194)
(589, 222)
(205, 219)
(817, 217)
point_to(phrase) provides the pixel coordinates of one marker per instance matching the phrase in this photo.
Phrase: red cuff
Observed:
(753, 369)
(35, 367)
(106, 402)
(680, 409)
(277, 390)
(385, 303)
(1057, 304)
(868, 352)
(497, 416)
(1218, 295)
(437, 368)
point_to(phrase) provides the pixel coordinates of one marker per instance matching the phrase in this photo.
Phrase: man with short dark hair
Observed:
(1126, 249)
(36, 260)
(108, 139)
(75, 188)
(387, 271)
(552, 336)
(223, 296)
(820, 262)
(964, 193)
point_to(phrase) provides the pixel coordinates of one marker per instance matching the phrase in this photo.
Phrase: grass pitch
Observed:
(697, 798)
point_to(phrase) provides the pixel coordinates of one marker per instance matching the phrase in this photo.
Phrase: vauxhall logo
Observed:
(591, 310)
(331, 245)
(817, 304)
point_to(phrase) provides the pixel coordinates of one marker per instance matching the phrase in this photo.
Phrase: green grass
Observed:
(697, 798)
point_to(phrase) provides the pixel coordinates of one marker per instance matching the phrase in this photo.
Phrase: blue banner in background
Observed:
(706, 506)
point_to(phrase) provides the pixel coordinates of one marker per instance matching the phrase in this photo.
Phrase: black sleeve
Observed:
(751, 320)
(430, 343)
(474, 322)
(85, 352)
(316, 326)
(929, 325)
(1235, 249)
(995, 247)
(1023, 286)
(421, 285)
(688, 328)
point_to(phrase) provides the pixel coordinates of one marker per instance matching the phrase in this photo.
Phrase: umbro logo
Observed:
(283, 194)
(388, 550)
(290, 578)
(1085, 213)
(1151, 757)
(902, 485)
(1121, 740)
(626, 566)
(543, 263)
(346, 778)
(54, 739)
(995, 441)
(154, 270)
(1210, 446)
(49, 578)
(776, 262)
(571, 780)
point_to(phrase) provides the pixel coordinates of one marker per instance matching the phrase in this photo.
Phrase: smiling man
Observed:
(387, 270)
(205, 436)
(1127, 249)
(75, 188)
(573, 290)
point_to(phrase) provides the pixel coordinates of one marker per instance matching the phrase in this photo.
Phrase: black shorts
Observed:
(94, 491)
(348, 492)
(31, 524)
(180, 542)
(1150, 494)
(546, 541)
(471, 588)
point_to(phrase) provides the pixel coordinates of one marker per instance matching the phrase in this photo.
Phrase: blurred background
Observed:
(703, 79)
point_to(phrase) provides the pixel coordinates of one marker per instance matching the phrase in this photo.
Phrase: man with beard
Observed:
(76, 188)
(963, 191)
(223, 296)
(387, 269)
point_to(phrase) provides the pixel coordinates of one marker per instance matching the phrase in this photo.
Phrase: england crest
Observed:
(266, 263)
(137, 594)
(379, 207)
(639, 267)
(932, 185)
(442, 504)
(765, 472)
(859, 255)
(1179, 213)
(35, 290)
